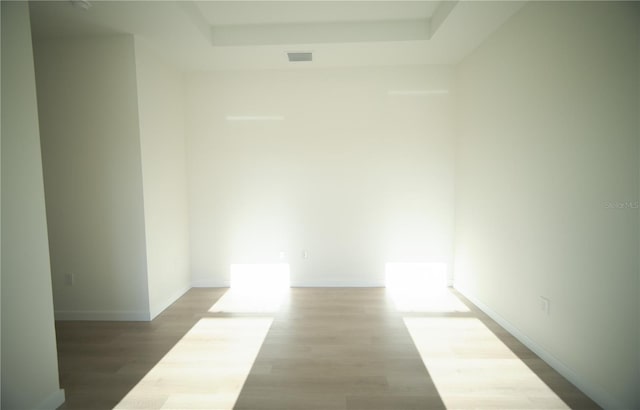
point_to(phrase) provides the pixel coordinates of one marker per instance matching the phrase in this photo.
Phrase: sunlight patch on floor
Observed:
(442, 301)
(206, 368)
(249, 301)
(472, 368)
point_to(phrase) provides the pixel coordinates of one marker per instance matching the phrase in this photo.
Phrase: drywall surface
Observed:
(29, 358)
(87, 98)
(547, 187)
(335, 172)
(162, 142)
(1, 221)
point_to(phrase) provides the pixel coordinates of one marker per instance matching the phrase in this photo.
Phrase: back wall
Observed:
(335, 172)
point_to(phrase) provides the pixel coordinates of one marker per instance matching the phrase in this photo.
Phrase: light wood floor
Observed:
(322, 348)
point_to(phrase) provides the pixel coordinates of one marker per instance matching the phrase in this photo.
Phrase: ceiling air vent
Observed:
(81, 4)
(295, 57)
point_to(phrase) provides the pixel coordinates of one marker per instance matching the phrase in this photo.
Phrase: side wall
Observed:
(162, 141)
(547, 188)
(87, 97)
(352, 166)
(29, 358)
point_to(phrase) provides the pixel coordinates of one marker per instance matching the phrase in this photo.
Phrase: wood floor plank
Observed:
(324, 348)
(353, 340)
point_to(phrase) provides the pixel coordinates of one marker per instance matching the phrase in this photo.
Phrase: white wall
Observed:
(87, 97)
(162, 141)
(352, 175)
(29, 358)
(1, 220)
(548, 139)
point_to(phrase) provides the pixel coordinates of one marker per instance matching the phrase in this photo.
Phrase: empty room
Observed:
(324, 205)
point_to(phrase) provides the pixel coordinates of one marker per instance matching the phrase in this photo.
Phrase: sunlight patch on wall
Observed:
(260, 277)
(255, 288)
(207, 367)
(421, 287)
(472, 368)
(422, 277)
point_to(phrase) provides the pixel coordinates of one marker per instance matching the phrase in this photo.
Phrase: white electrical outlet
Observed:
(545, 305)
(305, 254)
(68, 279)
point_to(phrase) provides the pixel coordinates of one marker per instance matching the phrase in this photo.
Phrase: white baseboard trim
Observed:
(302, 283)
(336, 283)
(52, 401)
(156, 310)
(598, 395)
(209, 284)
(118, 316)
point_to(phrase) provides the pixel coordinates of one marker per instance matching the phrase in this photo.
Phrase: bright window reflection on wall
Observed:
(260, 277)
(421, 287)
(255, 288)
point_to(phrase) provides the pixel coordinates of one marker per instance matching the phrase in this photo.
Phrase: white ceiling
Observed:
(209, 35)
(279, 12)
